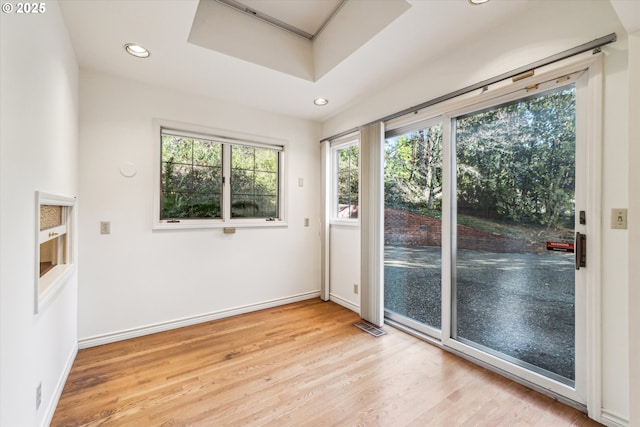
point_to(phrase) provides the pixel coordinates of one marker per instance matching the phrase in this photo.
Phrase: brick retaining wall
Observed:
(411, 229)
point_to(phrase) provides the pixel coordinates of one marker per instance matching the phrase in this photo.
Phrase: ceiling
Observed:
(420, 34)
(306, 15)
(231, 28)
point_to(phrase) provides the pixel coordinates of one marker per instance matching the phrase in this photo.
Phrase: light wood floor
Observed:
(303, 364)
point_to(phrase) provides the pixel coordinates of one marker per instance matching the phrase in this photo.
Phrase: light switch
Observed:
(300, 182)
(619, 218)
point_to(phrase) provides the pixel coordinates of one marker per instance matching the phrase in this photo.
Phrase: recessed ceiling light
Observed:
(136, 50)
(474, 2)
(321, 101)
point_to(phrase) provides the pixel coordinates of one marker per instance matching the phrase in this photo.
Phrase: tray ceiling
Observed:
(307, 15)
(236, 32)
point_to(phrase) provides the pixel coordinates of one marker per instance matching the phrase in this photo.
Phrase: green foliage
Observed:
(192, 179)
(515, 163)
(348, 181)
(413, 170)
(254, 182)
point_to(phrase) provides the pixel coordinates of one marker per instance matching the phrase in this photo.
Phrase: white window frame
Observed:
(227, 139)
(48, 285)
(337, 145)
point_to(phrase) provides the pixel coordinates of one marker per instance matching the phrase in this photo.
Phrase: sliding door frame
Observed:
(587, 391)
(578, 392)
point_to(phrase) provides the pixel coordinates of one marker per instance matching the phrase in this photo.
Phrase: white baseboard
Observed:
(343, 302)
(612, 420)
(57, 392)
(193, 320)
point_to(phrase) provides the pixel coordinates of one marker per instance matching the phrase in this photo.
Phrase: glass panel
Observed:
(205, 205)
(191, 178)
(177, 177)
(206, 179)
(348, 182)
(52, 253)
(266, 160)
(412, 226)
(177, 150)
(247, 206)
(242, 182)
(175, 205)
(514, 298)
(190, 205)
(207, 153)
(50, 216)
(254, 182)
(243, 157)
(266, 183)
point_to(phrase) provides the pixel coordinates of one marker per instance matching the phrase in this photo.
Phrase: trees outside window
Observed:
(254, 182)
(209, 178)
(191, 178)
(413, 171)
(347, 170)
(515, 163)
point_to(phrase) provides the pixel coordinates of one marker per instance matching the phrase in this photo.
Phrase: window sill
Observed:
(52, 282)
(219, 224)
(345, 222)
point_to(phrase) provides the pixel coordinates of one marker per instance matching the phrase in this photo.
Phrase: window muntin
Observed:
(208, 181)
(347, 173)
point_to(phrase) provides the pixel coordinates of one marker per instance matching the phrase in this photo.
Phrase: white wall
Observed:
(344, 265)
(615, 260)
(546, 29)
(39, 143)
(634, 225)
(136, 277)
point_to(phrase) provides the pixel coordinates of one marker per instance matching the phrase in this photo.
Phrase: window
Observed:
(346, 158)
(254, 182)
(54, 246)
(209, 180)
(191, 178)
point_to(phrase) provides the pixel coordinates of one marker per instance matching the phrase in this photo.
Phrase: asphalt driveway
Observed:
(520, 305)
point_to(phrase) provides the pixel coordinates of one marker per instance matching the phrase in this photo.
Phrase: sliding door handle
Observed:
(581, 250)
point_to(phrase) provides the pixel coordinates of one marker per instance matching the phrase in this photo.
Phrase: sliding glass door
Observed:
(412, 231)
(484, 221)
(514, 287)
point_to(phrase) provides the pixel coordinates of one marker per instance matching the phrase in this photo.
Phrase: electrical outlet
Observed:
(619, 218)
(355, 288)
(38, 395)
(105, 227)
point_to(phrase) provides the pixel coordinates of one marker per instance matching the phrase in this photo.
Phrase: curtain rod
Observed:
(594, 45)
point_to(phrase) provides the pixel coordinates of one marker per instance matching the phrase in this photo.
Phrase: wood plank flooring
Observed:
(302, 364)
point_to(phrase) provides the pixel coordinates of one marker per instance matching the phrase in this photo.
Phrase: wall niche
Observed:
(55, 255)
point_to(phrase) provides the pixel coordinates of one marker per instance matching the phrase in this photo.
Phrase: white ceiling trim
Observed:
(227, 30)
(306, 19)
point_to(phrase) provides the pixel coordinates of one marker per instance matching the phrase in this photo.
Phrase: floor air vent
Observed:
(370, 329)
